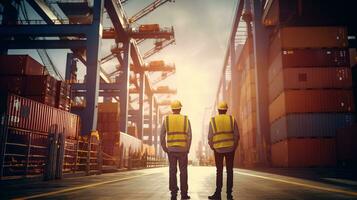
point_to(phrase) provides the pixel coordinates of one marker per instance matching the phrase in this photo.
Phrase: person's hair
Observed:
(176, 111)
(222, 111)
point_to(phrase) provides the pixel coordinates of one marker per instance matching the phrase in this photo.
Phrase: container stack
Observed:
(133, 130)
(246, 118)
(14, 71)
(41, 89)
(310, 94)
(24, 76)
(63, 100)
(108, 127)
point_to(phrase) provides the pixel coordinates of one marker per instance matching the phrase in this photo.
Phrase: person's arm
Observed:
(236, 135)
(163, 137)
(189, 136)
(210, 136)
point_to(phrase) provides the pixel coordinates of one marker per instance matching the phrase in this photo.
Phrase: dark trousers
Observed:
(182, 160)
(229, 167)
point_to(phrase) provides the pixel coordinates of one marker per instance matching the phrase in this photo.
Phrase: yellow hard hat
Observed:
(176, 104)
(222, 105)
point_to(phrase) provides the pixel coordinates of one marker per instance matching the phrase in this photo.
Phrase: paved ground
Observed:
(153, 184)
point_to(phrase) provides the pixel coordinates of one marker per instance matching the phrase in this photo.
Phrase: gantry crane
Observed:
(80, 31)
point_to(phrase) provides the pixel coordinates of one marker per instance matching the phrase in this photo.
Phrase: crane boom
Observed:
(158, 47)
(148, 9)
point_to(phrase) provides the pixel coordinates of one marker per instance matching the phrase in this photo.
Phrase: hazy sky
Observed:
(201, 31)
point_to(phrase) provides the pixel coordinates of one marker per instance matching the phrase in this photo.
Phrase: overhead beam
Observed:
(43, 44)
(43, 10)
(102, 86)
(118, 17)
(58, 30)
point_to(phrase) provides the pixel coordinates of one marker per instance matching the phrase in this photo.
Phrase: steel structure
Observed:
(81, 31)
(247, 22)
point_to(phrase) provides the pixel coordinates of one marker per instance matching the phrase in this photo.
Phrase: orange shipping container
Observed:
(110, 142)
(149, 27)
(310, 78)
(19, 65)
(133, 131)
(109, 107)
(304, 152)
(310, 37)
(311, 101)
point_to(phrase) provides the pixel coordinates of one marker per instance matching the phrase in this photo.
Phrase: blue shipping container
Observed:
(309, 125)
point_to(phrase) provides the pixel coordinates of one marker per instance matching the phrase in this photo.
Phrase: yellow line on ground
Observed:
(301, 184)
(78, 188)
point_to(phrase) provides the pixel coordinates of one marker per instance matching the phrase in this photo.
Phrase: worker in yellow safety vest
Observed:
(175, 139)
(223, 139)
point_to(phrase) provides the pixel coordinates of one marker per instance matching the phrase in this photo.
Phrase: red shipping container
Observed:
(309, 58)
(315, 58)
(40, 85)
(303, 58)
(12, 84)
(19, 65)
(47, 99)
(63, 89)
(346, 144)
(311, 101)
(310, 37)
(133, 131)
(110, 142)
(304, 152)
(27, 114)
(66, 123)
(310, 78)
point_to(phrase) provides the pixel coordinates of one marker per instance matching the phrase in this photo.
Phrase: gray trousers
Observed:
(181, 158)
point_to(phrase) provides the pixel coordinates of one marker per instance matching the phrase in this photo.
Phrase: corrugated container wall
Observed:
(309, 125)
(304, 152)
(311, 101)
(308, 13)
(310, 81)
(108, 127)
(246, 109)
(310, 78)
(30, 115)
(19, 65)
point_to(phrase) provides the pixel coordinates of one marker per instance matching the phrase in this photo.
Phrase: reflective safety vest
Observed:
(177, 129)
(223, 131)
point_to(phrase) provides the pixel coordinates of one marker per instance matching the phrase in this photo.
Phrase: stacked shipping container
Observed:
(246, 117)
(310, 94)
(108, 127)
(24, 76)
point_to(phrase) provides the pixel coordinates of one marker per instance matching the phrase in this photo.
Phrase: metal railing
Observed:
(24, 153)
(51, 156)
(82, 156)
